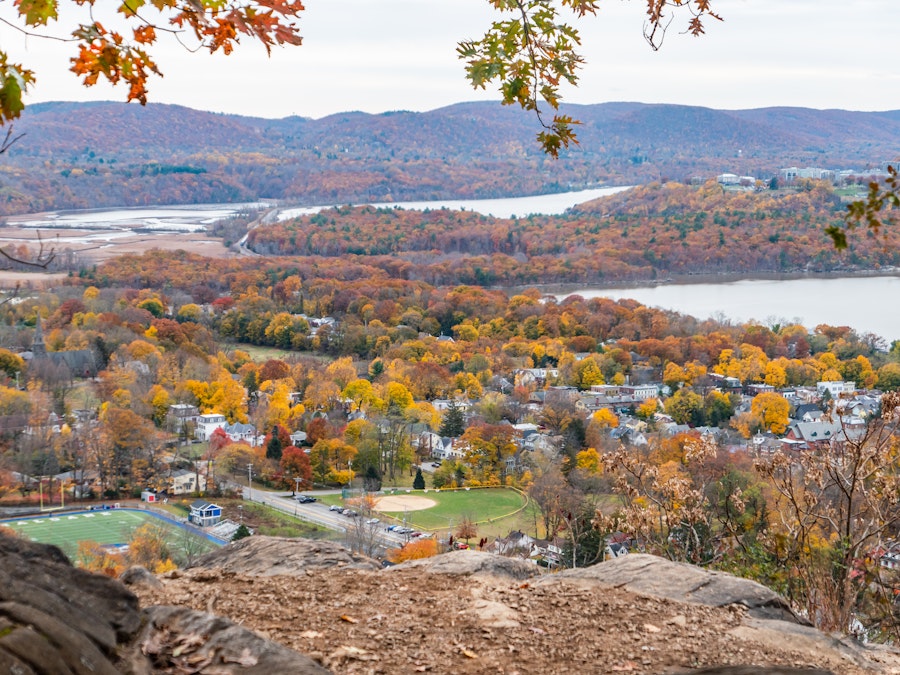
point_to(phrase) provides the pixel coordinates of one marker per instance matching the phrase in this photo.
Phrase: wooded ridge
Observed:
(81, 155)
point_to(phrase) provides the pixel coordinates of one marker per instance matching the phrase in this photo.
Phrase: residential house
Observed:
(439, 447)
(182, 416)
(184, 482)
(836, 389)
(526, 377)
(245, 433)
(205, 514)
(546, 553)
(640, 392)
(207, 424)
(515, 544)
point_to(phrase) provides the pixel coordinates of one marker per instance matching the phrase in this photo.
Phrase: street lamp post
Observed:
(241, 512)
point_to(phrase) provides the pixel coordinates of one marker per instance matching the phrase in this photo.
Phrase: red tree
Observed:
(295, 464)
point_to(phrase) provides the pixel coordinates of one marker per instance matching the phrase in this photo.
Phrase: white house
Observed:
(207, 424)
(835, 388)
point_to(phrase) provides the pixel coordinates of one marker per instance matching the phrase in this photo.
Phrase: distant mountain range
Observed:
(81, 155)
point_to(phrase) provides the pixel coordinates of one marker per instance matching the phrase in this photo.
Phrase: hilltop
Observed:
(464, 612)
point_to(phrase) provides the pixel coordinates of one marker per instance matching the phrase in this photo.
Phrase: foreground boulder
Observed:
(663, 578)
(55, 618)
(273, 556)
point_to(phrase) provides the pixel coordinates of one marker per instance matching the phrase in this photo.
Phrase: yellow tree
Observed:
(360, 392)
(589, 461)
(648, 409)
(228, 397)
(279, 410)
(321, 394)
(776, 375)
(605, 419)
(772, 410)
(342, 371)
(158, 400)
(674, 375)
(331, 460)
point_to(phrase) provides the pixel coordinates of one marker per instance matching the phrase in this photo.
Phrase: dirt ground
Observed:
(98, 245)
(404, 503)
(407, 621)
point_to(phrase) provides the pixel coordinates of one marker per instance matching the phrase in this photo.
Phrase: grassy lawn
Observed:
(484, 506)
(273, 523)
(114, 526)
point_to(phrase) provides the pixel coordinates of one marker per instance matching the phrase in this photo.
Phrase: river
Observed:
(507, 207)
(869, 304)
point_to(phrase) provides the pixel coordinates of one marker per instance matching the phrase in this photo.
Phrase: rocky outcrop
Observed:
(55, 618)
(179, 640)
(469, 563)
(769, 619)
(663, 578)
(465, 612)
(274, 556)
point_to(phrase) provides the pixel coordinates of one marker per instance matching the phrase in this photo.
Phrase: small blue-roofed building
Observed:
(205, 514)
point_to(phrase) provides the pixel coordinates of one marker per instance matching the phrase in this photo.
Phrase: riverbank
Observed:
(698, 278)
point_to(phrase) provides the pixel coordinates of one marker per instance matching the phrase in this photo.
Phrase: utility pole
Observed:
(250, 482)
(297, 482)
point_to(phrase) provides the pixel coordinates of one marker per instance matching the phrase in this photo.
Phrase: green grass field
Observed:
(493, 508)
(104, 527)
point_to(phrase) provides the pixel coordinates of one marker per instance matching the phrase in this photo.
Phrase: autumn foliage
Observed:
(414, 550)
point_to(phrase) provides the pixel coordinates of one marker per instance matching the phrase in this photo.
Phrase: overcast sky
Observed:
(380, 55)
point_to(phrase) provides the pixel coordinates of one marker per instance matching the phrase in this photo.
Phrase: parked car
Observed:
(435, 464)
(306, 499)
(335, 507)
(350, 512)
(372, 521)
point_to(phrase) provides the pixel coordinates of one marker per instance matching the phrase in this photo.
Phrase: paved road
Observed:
(318, 514)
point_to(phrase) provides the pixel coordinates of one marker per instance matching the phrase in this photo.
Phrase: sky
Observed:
(384, 55)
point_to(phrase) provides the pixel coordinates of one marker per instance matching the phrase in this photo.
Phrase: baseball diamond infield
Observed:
(404, 503)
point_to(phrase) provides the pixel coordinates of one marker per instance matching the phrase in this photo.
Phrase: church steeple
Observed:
(38, 348)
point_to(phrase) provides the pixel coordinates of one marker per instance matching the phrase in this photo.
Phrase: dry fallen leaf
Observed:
(470, 654)
(348, 619)
(311, 634)
(650, 628)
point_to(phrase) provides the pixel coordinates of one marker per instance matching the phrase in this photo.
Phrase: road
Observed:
(318, 514)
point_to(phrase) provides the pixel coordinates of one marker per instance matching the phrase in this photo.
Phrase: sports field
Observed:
(112, 527)
(481, 505)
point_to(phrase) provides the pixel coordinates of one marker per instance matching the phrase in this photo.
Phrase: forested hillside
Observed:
(654, 231)
(79, 155)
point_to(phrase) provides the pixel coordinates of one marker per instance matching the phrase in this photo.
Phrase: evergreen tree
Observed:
(372, 479)
(274, 446)
(419, 480)
(453, 423)
(241, 532)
